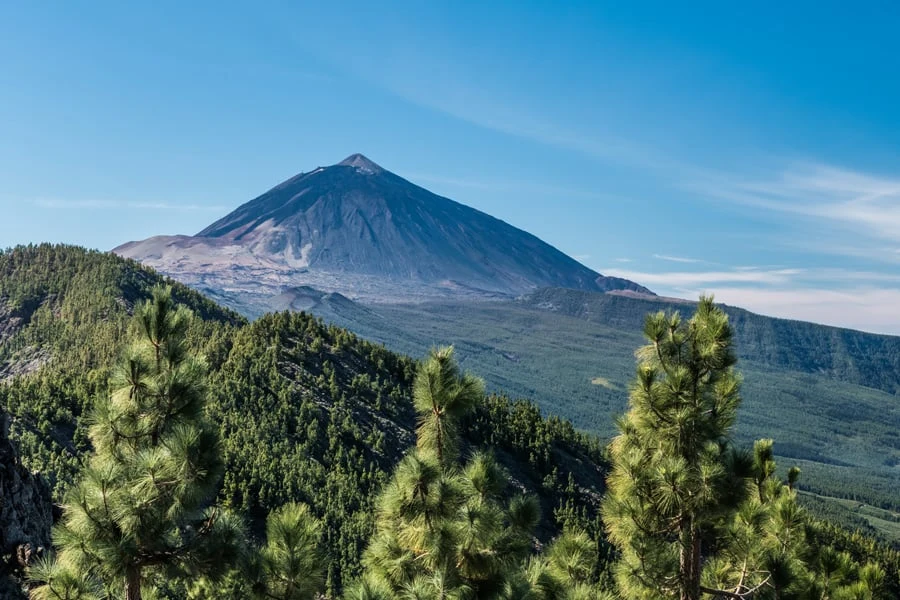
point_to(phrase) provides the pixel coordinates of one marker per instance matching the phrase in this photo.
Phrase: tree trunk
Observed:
(689, 561)
(132, 583)
(695, 555)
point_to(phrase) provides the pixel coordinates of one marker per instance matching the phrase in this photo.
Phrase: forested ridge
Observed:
(305, 413)
(853, 356)
(843, 435)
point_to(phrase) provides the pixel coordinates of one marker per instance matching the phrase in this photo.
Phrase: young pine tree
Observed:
(443, 529)
(674, 474)
(288, 567)
(690, 514)
(143, 503)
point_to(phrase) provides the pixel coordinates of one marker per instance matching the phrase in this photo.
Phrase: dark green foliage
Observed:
(572, 353)
(64, 315)
(861, 549)
(449, 528)
(142, 503)
(296, 428)
(306, 412)
(310, 413)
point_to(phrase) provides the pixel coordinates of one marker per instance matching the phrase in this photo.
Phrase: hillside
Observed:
(573, 354)
(850, 356)
(64, 316)
(360, 230)
(308, 412)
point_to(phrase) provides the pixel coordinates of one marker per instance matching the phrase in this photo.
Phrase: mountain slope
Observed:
(25, 514)
(850, 356)
(64, 314)
(573, 353)
(360, 230)
(307, 412)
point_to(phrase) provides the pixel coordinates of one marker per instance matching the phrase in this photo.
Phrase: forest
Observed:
(196, 455)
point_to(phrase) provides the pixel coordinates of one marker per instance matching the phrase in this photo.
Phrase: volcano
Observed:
(357, 229)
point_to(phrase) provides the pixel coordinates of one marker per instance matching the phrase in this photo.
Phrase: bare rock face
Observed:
(26, 514)
(27, 359)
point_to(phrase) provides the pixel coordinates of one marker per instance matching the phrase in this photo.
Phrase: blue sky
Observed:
(752, 152)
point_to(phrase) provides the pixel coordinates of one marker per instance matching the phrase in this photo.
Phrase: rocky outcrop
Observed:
(12, 321)
(26, 513)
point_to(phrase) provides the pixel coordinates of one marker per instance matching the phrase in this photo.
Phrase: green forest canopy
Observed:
(307, 412)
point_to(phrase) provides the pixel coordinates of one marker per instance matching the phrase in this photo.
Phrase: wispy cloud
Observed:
(867, 204)
(58, 203)
(678, 259)
(758, 276)
(473, 103)
(863, 202)
(863, 307)
(689, 279)
(857, 299)
(581, 257)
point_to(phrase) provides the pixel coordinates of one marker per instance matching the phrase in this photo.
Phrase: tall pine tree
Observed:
(442, 529)
(451, 529)
(690, 514)
(143, 503)
(674, 473)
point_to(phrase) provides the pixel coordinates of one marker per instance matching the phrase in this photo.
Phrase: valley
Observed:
(364, 249)
(843, 435)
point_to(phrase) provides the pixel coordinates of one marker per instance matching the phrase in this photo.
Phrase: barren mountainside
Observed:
(358, 229)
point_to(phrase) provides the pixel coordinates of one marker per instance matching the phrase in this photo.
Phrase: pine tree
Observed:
(444, 529)
(442, 397)
(674, 474)
(762, 546)
(689, 513)
(143, 504)
(290, 566)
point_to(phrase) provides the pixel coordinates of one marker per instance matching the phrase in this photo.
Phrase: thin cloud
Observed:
(865, 308)
(472, 103)
(510, 120)
(857, 299)
(759, 276)
(678, 259)
(581, 257)
(866, 204)
(688, 279)
(57, 203)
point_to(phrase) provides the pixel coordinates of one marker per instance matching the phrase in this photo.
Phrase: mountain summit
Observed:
(360, 162)
(358, 229)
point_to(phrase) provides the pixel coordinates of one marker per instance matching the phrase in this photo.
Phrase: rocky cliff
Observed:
(26, 514)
